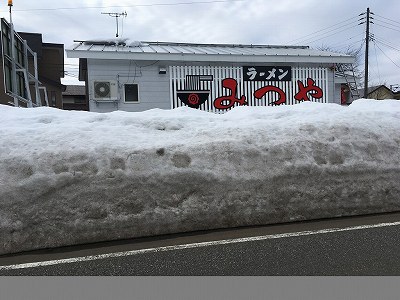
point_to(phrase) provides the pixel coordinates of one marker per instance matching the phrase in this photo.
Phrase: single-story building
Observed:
(74, 98)
(381, 92)
(213, 77)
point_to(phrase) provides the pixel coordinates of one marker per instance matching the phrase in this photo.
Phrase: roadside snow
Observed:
(77, 177)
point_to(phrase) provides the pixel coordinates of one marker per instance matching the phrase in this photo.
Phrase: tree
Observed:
(357, 53)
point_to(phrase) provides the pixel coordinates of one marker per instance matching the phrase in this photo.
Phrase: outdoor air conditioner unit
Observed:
(105, 90)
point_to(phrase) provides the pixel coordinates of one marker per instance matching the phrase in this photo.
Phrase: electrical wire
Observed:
(398, 30)
(393, 25)
(341, 42)
(377, 65)
(384, 40)
(131, 5)
(313, 33)
(388, 57)
(348, 46)
(386, 44)
(387, 19)
(326, 36)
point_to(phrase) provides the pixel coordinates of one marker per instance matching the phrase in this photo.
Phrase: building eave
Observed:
(232, 58)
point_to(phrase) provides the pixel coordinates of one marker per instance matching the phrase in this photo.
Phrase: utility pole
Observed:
(116, 16)
(368, 21)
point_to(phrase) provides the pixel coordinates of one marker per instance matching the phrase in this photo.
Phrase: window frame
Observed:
(138, 93)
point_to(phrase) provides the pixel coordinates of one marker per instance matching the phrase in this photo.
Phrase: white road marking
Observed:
(191, 246)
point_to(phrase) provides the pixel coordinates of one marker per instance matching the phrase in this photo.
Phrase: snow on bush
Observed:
(78, 177)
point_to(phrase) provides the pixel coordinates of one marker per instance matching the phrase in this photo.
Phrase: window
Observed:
(19, 50)
(79, 101)
(6, 40)
(21, 85)
(53, 98)
(8, 74)
(131, 93)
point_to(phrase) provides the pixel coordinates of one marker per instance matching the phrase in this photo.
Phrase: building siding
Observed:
(153, 87)
(158, 90)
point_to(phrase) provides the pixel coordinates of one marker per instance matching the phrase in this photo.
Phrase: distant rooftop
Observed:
(144, 50)
(74, 90)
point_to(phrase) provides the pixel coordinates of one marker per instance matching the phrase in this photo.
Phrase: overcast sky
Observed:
(316, 23)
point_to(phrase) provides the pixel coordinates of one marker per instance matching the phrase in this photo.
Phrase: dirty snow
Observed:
(78, 177)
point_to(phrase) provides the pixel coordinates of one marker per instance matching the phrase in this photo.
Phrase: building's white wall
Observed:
(333, 97)
(154, 88)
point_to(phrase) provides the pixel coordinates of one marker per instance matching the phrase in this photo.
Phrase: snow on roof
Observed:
(108, 42)
(112, 49)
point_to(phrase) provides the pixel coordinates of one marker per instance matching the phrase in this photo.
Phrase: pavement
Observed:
(364, 245)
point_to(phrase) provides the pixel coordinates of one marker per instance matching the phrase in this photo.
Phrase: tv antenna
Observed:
(116, 16)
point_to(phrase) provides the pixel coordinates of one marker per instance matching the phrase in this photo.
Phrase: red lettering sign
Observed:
(269, 88)
(230, 84)
(302, 95)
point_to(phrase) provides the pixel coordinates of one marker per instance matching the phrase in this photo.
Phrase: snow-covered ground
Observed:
(79, 177)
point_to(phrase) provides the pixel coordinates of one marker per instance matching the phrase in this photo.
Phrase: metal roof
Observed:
(201, 52)
(74, 90)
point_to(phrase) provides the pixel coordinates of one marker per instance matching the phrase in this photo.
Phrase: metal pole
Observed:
(13, 66)
(35, 66)
(366, 55)
(116, 18)
(26, 76)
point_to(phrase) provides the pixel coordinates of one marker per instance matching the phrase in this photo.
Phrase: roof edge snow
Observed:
(172, 51)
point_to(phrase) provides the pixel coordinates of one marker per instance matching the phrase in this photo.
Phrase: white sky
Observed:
(332, 23)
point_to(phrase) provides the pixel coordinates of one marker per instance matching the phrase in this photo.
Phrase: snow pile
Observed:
(79, 177)
(108, 42)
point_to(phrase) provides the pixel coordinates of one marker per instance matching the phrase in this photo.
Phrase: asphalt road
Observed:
(368, 245)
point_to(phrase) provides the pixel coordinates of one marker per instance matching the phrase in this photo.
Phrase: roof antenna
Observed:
(116, 16)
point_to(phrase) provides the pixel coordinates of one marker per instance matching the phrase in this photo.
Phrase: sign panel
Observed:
(395, 88)
(218, 89)
(251, 73)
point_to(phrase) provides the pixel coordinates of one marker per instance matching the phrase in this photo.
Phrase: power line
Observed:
(348, 46)
(387, 27)
(343, 43)
(393, 25)
(387, 56)
(324, 29)
(309, 41)
(131, 5)
(387, 19)
(387, 45)
(382, 38)
(377, 65)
